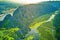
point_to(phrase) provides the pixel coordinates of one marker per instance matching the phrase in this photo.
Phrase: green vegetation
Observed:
(38, 21)
(47, 31)
(8, 34)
